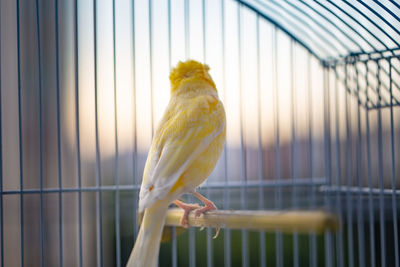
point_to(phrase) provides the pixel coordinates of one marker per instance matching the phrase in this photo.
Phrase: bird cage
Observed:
(311, 91)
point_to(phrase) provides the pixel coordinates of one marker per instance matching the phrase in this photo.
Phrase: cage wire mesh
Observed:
(312, 95)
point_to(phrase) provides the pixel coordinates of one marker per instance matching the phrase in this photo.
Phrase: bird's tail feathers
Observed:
(147, 245)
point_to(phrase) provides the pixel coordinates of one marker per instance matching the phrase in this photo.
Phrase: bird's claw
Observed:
(216, 232)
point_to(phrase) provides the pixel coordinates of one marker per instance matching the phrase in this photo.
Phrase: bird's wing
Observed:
(178, 142)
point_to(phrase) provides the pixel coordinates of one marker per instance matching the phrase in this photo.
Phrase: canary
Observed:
(185, 149)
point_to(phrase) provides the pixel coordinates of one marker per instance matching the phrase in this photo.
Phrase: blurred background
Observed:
(312, 104)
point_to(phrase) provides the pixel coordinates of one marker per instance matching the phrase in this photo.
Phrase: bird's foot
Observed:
(209, 205)
(187, 209)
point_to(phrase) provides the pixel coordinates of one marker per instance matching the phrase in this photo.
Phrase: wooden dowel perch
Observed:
(285, 221)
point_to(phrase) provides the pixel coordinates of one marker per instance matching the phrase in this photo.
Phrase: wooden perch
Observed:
(285, 221)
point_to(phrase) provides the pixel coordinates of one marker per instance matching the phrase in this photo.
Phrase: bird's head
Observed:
(189, 71)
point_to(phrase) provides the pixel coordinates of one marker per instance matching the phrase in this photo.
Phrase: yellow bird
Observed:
(185, 149)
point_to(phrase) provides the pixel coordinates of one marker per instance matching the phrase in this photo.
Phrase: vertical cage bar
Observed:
(227, 232)
(349, 205)
(394, 202)
(192, 237)
(278, 192)
(293, 147)
(369, 161)
(78, 145)
(151, 65)
(360, 208)
(243, 178)
(192, 248)
(21, 180)
(340, 243)
(187, 44)
(135, 179)
(99, 213)
(116, 158)
(174, 250)
(209, 237)
(1, 165)
(327, 150)
(40, 134)
(313, 236)
(260, 145)
(60, 221)
(169, 35)
(380, 170)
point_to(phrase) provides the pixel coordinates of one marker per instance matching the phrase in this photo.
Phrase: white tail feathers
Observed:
(147, 245)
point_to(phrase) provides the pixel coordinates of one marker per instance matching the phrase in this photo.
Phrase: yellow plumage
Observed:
(185, 148)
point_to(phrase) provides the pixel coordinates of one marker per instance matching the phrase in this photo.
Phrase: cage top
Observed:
(334, 29)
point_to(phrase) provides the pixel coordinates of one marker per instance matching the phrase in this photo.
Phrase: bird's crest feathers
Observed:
(189, 71)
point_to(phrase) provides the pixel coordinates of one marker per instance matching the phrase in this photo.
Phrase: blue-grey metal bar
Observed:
(313, 236)
(151, 66)
(356, 190)
(385, 87)
(293, 107)
(169, 35)
(355, 30)
(192, 247)
(135, 179)
(320, 25)
(321, 45)
(357, 22)
(40, 133)
(278, 25)
(374, 23)
(209, 236)
(394, 3)
(99, 213)
(60, 210)
(260, 145)
(360, 208)
(372, 104)
(187, 37)
(1, 169)
(174, 250)
(380, 172)
(78, 145)
(243, 169)
(349, 202)
(358, 58)
(116, 158)
(278, 192)
(388, 11)
(74, 189)
(192, 237)
(213, 185)
(324, 6)
(394, 201)
(370, 185)
(204, 30)
(330, 21)
(327, 160)
(227, 233)
(21, 166)
(339, 243)
(375, 54)
(354, 19)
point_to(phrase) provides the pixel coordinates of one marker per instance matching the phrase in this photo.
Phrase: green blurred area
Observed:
(254, 253)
